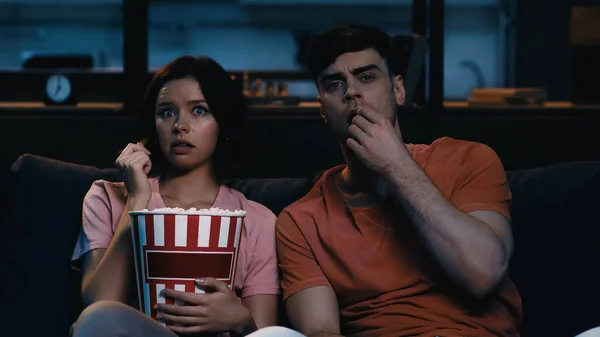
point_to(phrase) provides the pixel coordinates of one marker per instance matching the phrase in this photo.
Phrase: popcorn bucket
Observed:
(175, 247)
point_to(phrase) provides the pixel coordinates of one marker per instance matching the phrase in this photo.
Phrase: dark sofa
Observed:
(555, 218)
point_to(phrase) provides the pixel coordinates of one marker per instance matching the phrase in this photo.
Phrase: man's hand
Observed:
(374, 140)
(217, 312)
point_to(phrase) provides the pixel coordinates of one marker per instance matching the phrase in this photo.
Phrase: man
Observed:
(403, 240)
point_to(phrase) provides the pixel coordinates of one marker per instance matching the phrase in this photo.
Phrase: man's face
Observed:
(358, 79)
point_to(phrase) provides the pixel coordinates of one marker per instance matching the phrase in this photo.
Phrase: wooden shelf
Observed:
(311, 110)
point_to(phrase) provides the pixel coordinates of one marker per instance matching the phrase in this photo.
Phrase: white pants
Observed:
(595, 332)
(275, 331)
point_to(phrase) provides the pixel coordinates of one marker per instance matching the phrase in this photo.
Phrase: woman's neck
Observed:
(197, 188)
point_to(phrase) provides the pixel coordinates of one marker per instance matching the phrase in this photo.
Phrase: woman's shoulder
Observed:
(110, 189)
(104, 194)
(105, 188)
(108, 185)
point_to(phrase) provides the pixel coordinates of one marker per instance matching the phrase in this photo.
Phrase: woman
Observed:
(191, 116)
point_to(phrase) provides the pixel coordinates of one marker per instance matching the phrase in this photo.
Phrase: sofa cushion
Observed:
(44, 216)
(556, 228)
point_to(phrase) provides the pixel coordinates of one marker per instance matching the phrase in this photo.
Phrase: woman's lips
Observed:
(181, 149)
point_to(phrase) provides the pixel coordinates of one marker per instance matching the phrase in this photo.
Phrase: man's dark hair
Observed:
(324, 48)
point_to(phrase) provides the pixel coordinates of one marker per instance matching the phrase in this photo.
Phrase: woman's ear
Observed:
(323, 114)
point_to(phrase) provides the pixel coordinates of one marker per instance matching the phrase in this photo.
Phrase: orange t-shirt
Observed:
(385, 281)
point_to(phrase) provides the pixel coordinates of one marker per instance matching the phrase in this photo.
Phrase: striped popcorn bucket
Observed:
(172, 250)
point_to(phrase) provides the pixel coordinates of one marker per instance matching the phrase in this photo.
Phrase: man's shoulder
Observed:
(313, 203)
(312, 199)
(448, 149)
(447, 144)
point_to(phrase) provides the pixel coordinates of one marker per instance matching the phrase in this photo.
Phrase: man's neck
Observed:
(358, 179)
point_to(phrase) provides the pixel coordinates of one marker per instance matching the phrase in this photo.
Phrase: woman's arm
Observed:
(108, 273)
(264, 310)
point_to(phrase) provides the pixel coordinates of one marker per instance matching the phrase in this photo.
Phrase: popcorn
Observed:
(214, 211)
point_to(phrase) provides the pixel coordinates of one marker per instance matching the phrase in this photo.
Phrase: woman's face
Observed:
(187, 130)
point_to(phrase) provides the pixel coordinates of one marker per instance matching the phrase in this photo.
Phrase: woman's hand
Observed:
(218, 312)
(134, 164)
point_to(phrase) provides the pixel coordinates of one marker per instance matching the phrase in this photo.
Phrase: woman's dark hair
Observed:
(225, 99)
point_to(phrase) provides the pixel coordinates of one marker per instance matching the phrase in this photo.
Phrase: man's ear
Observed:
(399, 91)
(322, 109)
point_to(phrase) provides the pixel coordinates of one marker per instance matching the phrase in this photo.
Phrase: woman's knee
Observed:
(98, 317)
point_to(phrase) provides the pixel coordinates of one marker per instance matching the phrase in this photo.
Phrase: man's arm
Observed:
(314, 312)
(310, 301)
(473, 248)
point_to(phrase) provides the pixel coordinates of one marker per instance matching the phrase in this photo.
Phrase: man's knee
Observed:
(99, 319)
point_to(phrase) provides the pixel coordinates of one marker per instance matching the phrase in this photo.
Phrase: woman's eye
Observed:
(167, 113)
(199, 110)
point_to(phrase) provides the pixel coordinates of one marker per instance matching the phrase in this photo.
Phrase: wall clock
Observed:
(59, 90)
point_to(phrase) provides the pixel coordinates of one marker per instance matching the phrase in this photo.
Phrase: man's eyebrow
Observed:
(362, 69)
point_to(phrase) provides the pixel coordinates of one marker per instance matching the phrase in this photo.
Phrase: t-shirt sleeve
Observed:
(299, 268)
(96, 231)
(482, 183)
(262, 277)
